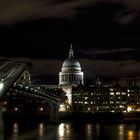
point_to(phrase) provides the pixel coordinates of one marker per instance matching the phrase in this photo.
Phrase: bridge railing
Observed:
(10, 76)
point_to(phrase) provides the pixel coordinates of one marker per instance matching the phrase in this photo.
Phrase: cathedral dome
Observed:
(71, 64)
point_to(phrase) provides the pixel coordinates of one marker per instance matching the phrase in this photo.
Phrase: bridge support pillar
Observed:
(1, 125)
(54, 114)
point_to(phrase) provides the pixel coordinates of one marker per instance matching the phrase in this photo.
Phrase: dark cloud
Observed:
(110, 68)
(135, 4)
(126, 16)
(13, 11)
(113, 54)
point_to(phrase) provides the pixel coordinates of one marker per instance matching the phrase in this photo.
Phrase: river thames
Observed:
(71, 131)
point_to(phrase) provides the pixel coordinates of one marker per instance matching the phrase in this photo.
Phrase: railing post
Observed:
(1, 125)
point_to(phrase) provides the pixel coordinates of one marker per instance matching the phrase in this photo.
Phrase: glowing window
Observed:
(111, 89)
(123, 93)
(111, 93)
(117, 93)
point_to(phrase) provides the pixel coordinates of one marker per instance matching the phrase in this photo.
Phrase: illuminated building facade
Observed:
(133, 93)
(70, 75)
(90, 99)
(99, 98)
(118, 99)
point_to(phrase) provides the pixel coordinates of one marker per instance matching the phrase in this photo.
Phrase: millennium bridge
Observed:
(15, 82)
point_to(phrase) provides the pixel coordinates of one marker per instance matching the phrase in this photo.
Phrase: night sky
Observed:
(105, 35)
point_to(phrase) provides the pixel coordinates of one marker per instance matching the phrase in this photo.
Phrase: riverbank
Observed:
(100, 117)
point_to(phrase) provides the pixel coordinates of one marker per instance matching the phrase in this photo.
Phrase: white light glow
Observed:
(41, 109)
(68, 91)
(129, 109)
(5, 102)
(121, 132)
(62, 108)
(117, 93)
(1, 86)
(16, 109)
(123, 93)
(111, 93)
(86, 98)
(64, 131)
(15, 129)
(111, 89)
(61, 130)
(121, 106)
(41, 129)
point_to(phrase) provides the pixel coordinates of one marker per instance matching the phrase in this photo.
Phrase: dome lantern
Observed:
(71, 54)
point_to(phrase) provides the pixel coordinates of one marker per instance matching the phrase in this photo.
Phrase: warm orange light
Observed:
(138, 135)
(130, 135)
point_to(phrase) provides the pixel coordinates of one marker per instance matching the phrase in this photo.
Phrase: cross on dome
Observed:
(71, 53)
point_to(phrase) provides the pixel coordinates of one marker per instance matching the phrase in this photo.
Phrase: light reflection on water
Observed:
(131, 135)
(41, 129)
(61, 130)
(15, 131)
(139, 135)
(70, 131)
(121, 132)
(89, 131)
(64, 131)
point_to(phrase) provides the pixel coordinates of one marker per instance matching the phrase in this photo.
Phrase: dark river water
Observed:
(71, 131)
